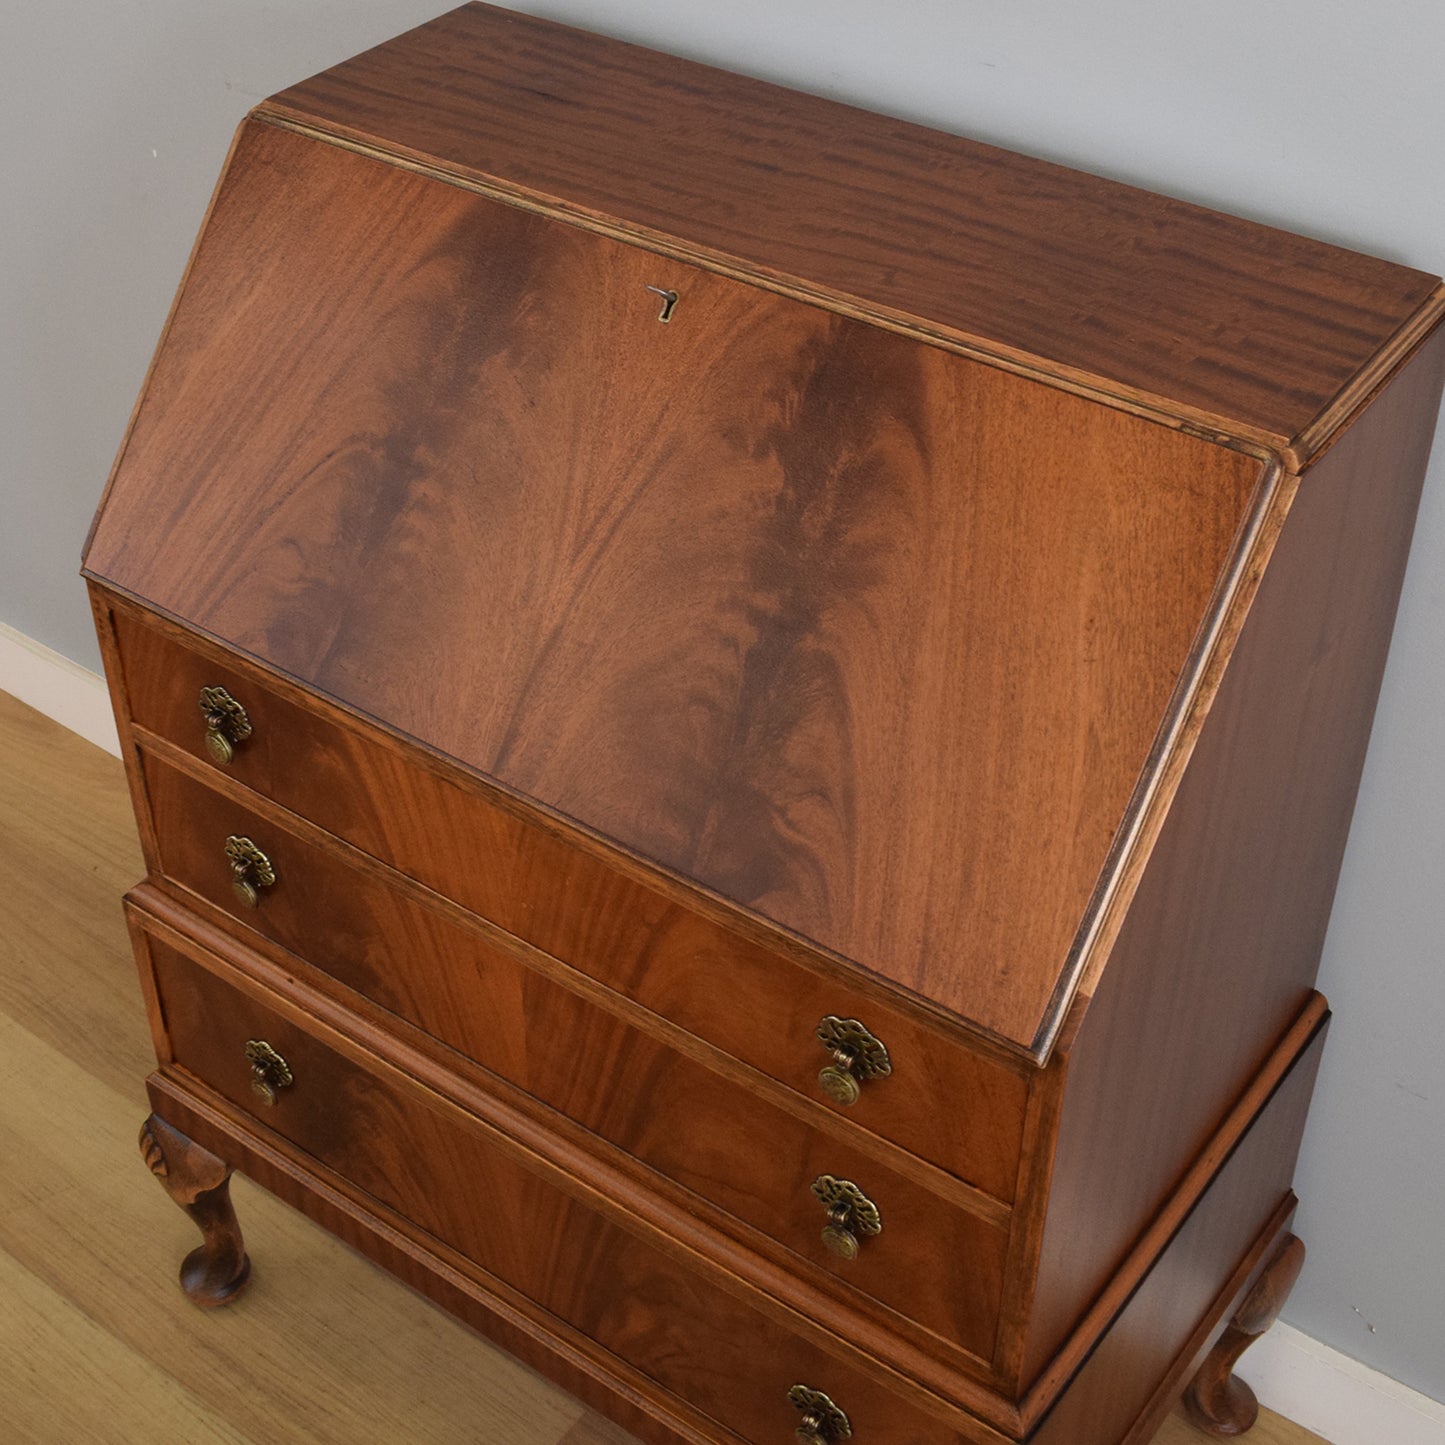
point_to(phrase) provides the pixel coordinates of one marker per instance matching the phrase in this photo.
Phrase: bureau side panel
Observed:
(1150, 1347)
(1223, 940)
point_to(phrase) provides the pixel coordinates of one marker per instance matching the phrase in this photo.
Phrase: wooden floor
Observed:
(97, 1344)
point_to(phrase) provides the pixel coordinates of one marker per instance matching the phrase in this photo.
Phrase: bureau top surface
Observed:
(1198, 312)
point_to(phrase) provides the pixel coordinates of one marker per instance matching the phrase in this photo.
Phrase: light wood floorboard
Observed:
(97, 1344)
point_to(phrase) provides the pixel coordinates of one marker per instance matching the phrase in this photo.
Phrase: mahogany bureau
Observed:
(743, 718)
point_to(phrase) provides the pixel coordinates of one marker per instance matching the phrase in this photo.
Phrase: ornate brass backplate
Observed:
(851, 1215)
(270, 1073)
(823, 1423)
(251, 870)
(226, 723)
(857, 1056)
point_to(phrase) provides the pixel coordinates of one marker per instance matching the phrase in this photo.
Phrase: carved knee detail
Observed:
(1217, 1400)
(217, 1270)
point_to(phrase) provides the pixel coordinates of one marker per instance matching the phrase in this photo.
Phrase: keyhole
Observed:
(669, 300)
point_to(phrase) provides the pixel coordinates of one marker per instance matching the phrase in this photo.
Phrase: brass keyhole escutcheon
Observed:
(270, 1073)
(857, 1057)
(251, 870)
(226, 723)
(823, 1423)
(852, 1216)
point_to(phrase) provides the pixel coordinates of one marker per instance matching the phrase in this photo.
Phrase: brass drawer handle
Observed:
(851, 1215)
(251, 870)
(270, 1073)
(226, 723)
(823, 1422)
(857, 1057)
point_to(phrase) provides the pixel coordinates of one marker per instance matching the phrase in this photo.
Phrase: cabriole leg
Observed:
(216, 1272)
(1218, 1401)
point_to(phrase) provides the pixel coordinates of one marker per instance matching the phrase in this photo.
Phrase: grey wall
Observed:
(1322, 116)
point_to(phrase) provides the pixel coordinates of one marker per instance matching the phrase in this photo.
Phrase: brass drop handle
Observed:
(823, 1423)
(251, 870)
(270, 1073)
(226, 723)
(857, 1057)
(852, 1216)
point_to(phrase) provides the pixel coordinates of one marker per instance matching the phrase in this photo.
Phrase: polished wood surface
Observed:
(1154, 1345)
(430, 1168)
(1119, 1384)
(1231, 319)
(1291, 1065)
(705, 1128)
(1222, 943)
(935, 1265)
(521, 1014)
(95, 1341)
(688, 650)
(1217, 1400)
(768, 637)
(217, 1270)
(618, 1189)
(1120, 1379)
(677, 963)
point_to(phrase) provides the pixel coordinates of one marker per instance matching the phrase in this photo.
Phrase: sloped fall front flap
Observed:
(870, 638)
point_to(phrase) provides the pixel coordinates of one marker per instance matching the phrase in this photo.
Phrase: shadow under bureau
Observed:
(743, 718)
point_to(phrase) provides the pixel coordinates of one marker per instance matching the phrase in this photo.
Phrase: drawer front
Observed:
(446, 1173)
(943, 1101)
(933, 1262)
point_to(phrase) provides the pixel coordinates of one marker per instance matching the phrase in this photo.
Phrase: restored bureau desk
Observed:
(743, 718)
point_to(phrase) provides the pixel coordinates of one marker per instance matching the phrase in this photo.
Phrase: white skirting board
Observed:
(64, 690)
(1337, 1397)
(1294, 1375)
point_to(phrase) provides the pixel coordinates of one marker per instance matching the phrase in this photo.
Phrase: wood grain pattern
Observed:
(1172, 1312)
(609, 1284)
(64, 1378)
(791, 641)
(708, 1133)
(1222, 943)
(565, 1157)
(1145, 1358)
(219, 997)
(1223, 1225)
(947, 1100)
(1291, 1071)
(874, 631)
(440, 970)
(96, 1342)
(1229, 318)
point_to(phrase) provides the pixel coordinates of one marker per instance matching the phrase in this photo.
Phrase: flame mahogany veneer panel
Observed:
(868, 638)
(945, 1101)
(449, 1177)
(935, 1263)
(414, 1153)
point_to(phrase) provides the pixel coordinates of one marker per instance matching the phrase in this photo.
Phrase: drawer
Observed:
(522, 1222)
(934, 1262)
(944, 1101)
